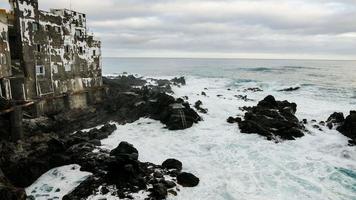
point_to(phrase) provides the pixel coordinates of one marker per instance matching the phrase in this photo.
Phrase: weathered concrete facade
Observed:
(54, 61)
(5, 59)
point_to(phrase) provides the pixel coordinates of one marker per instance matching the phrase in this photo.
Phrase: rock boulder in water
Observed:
(125, 150)
(273, 119)
(172, 164)
(178, 81)
(289, 89)
(232, 120)
(335, 119)
(198, 105)
(187, 179)
(348, 128)
(128, 175)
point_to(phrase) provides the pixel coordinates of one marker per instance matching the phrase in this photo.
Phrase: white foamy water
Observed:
(236, 166)
(232, 165)
(57, 182)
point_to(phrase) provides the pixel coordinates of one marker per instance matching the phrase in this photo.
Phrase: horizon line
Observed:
(227, 58)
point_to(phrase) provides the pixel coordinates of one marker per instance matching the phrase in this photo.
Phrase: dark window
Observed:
(35, 26)
(40, 70)
(78, 33)
(67, 48)
(48, 27)
(38, 48)
(94, 53)
(80, 49)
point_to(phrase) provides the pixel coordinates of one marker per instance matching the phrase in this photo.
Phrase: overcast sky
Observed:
(221, 28)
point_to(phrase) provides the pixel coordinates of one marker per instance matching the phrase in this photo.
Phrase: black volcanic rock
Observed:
(187, 179)
(125, 150)
(172, 164)
(159, 191)
(348, 128)
(232, 120)
(335, 119)
(135, 103)
(8, 191)
(178, 81)
(290, 89)
(198, 105)
(128, 175)
(49, 142)
(273, 119)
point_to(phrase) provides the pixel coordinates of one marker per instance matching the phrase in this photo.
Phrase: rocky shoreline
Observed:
(58, 139)
(276, 120)
(50, 143)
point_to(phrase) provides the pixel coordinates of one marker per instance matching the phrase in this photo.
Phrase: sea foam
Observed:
(232, 165)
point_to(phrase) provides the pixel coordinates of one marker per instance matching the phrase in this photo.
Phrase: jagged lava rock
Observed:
(232, 120)
(172, 164)
(187, 179)
(348, 128)
(198, 105)
(335, 119)
(273, 119)
(125, 150)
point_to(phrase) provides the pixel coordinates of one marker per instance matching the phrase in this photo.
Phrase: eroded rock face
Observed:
(348, 127)
(50, 142)
(135, 103)
(121, 169)
(272, 119)
(336, 118)
(25, 162)
(125, 150)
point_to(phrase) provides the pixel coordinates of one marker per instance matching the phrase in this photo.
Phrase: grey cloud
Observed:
(218, 27)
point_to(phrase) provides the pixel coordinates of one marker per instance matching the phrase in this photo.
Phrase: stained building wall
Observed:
(57, 55)
(5, 60)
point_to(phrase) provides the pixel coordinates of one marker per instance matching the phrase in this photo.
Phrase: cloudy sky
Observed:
(322, 29)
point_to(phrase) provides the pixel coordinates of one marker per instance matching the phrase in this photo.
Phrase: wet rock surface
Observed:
(154, 103)
(253, 89)
(172, 164)
(199, 108)
(54, 141)
(232, 120)
(187, 179)
(290, 89)
(335, 119)
(27, 160)
(122, 170)
(348, 127)
(273, 119)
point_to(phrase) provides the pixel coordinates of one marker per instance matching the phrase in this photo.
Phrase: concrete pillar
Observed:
(16, 124)
(67, 104)
(89, 97)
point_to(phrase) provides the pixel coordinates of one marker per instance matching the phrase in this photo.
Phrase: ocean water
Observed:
(236, 166)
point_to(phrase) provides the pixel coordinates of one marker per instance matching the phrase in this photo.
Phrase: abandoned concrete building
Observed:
(48, 60)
